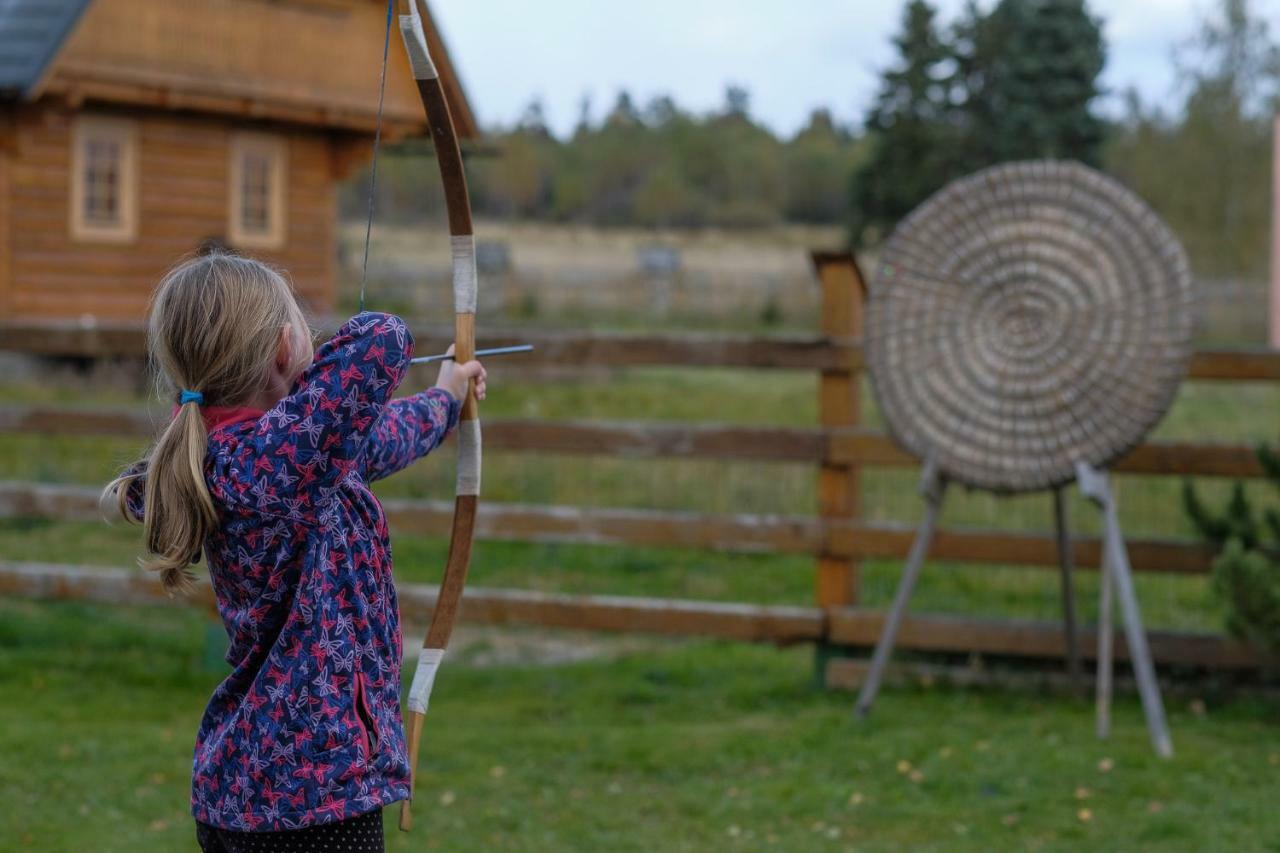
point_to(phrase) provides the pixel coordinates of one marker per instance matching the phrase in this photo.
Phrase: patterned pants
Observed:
(360, 834)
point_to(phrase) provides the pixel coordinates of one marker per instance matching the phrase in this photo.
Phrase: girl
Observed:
(265, 469)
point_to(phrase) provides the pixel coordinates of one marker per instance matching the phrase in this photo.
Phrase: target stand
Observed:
(1027, 327)
(1116, 572)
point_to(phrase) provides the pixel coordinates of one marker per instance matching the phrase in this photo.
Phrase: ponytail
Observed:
(177, 509)
(214, 326)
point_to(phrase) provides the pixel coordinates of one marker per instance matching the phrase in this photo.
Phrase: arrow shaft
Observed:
(428, 359)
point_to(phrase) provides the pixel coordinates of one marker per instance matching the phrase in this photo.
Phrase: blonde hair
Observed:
(214, 327)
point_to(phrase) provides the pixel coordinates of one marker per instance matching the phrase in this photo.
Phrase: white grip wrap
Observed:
(469, 457)
(415, 44)
(424, 677)
(464, 273)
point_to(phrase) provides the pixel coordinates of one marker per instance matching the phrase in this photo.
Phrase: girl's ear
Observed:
(284, 349)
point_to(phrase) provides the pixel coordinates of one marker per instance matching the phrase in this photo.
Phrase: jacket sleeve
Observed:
(312, 440)
(409, 429)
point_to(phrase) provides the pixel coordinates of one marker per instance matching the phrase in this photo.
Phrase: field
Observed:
(640, 746)
(554, 740)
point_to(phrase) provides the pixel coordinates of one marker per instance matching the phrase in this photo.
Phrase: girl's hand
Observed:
(455, 378)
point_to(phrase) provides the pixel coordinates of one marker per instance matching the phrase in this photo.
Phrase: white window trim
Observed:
(277, 150)
(125, 133)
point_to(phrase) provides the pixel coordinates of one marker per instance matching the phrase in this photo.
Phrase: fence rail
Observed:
(840, 448)
(842, 445)
(849, 539)
(559, 348)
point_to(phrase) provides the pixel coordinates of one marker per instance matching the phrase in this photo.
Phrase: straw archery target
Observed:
(1025, 318)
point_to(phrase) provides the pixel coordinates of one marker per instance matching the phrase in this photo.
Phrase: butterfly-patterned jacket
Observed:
(307, 728)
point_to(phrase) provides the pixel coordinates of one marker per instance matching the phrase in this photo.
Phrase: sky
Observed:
(791, 55)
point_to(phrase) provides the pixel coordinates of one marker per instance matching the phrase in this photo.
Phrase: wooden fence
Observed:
(839, 538)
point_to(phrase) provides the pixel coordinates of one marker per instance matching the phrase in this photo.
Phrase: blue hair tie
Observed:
(191, 397)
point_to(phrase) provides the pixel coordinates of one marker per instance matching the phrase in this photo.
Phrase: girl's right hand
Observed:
(456, 378)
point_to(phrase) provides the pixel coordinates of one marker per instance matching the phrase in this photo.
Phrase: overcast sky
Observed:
(791, 55)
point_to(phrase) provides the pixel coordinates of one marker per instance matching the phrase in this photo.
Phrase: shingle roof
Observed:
(31, 31)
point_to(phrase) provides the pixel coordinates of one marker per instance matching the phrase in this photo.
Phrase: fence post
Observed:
(839, 405)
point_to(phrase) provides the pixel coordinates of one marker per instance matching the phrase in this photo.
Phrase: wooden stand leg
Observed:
(1097, 487)
(1065, 563)
(1106, 640)
(933, 488)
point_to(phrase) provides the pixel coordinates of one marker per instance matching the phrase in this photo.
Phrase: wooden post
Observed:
(839, 405)
(1066, 562)
(1275, 237)
(8, 134)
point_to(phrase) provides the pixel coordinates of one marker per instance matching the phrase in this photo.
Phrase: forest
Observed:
(1016, 81)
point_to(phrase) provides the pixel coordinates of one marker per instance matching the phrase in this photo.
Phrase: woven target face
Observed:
(1026, 318)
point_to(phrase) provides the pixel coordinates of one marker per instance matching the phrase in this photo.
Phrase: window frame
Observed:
(276, 150)
(87, 129)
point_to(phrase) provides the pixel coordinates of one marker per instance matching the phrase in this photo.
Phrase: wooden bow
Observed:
(458, 203)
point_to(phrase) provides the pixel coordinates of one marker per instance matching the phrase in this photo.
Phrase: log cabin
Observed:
(133, 132)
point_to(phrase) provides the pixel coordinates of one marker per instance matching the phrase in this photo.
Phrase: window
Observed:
(257, 211)
(103, 179)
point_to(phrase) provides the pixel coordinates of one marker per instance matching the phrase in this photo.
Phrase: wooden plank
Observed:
(636, 439)
(162, 55)
(755, 534)
(646, 439)
(570, 347)
(837, 578)
(892, 541)
(849, 626)
(649, 528)
(773, 624)
(551, 348)
(1256, 365)
(874, 448)
(7, 134)
(183, 159)
(1016, 638)
(847, 674)
(626, 439)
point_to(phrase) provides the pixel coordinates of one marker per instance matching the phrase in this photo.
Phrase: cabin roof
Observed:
(31, 31)
(314, 63)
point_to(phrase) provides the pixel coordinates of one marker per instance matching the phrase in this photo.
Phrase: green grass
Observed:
(675, 747)
(672, 746)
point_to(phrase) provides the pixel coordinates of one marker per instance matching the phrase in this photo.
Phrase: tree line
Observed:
(1014, 81)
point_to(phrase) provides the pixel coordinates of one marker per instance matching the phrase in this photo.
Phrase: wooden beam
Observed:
(873, 448)
(892, 541)
(573, 347)
(772, 624)
(837, 578)
(551, 348)
(648, 439)
(1275, 235)
(649, 528)
(1254, 365)
(8, 142)
(847, 626)
(627, 439)
(860, 627)
(847, 674)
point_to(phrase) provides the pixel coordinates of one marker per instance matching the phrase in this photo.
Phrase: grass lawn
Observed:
(652, 746)
(648, 745)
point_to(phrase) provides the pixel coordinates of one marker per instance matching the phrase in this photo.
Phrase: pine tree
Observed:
(914, 143)
(1027, 77)
(1246, 572)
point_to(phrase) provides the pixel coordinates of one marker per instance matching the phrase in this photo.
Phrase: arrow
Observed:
(427, 359)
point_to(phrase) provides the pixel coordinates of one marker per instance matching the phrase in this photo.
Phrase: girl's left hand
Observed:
(455, 378)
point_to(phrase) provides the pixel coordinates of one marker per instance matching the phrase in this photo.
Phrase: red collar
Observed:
(216, 417)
